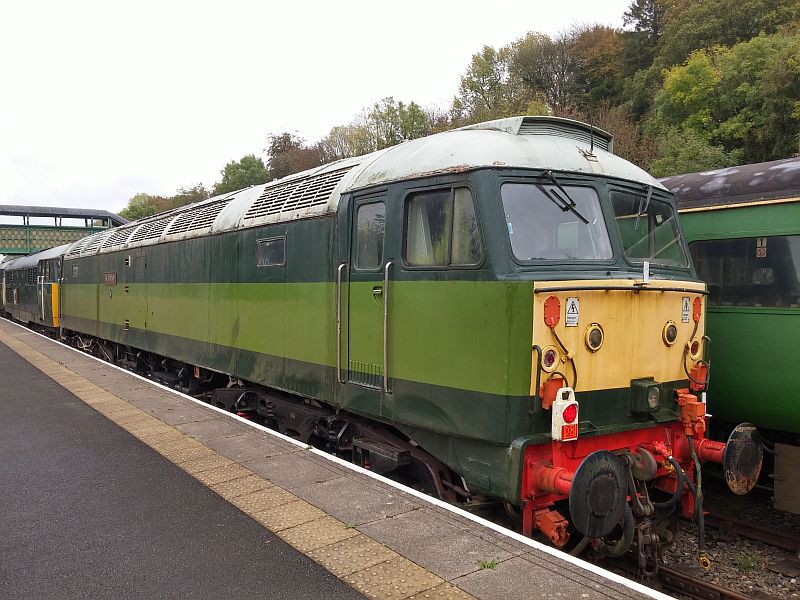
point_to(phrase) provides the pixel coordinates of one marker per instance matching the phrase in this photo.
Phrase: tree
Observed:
(598, 63)
(687, 151)
(289, 154)
(236, 175)
(547, 69)
(744, 99)
(696, 25)
(140, 206)
(189, 195)
(647, 18)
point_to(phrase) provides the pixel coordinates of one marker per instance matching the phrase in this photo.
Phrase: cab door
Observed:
(367, 308)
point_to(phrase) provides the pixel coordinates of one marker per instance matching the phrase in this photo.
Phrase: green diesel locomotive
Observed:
(505, 312)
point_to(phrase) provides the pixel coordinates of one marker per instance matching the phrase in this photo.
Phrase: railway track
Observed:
(690, 585)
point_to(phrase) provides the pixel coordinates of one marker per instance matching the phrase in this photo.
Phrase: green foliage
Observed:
(140, 206)
(697, 25)
(744, 99)
(687, 151)
(236, 175)
(647, 18)
(689, 93)
(487, 564)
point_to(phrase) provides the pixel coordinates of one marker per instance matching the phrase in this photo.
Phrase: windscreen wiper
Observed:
(640, 212)
(566, 203)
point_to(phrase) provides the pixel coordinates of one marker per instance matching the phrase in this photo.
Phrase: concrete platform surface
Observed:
(115, 486)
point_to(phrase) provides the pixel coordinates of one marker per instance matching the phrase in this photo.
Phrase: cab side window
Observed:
(370, 226)
(441, 229)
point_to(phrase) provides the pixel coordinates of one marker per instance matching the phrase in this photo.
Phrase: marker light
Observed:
(697, 309)
(549, 359)
(552, 311)
(670, 333)
(694, 350)
(570, 413)
(594, 337)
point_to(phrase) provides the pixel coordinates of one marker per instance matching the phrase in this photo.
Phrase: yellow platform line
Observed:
(365, 564)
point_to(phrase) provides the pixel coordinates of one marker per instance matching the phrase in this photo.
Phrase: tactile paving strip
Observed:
(368, 566)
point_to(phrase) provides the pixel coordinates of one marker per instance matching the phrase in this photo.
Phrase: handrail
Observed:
(339, 270)
(386, 270)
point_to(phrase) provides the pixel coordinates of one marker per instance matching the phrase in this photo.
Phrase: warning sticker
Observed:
(761, 247)
(573, 311)
(685, 309)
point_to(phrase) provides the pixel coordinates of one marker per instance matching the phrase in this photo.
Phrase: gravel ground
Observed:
(738, 563)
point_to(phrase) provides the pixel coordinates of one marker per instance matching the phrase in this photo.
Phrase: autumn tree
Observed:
(289, 154)
(239, 174)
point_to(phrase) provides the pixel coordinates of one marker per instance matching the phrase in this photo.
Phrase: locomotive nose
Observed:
(598, 496)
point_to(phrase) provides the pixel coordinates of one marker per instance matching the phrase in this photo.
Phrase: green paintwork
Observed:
(459, 339)
(754, 367)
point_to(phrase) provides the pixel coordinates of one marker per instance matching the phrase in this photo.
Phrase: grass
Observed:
(487, 564)
(746, 560)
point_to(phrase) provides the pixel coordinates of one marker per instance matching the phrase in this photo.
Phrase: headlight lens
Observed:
(670, 333)
(594, 337)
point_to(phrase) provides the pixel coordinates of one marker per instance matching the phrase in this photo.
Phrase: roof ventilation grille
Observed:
(151, 230)
(579, 134)
(296, 194)
(119, 237)
(200, 217)
(94, 242)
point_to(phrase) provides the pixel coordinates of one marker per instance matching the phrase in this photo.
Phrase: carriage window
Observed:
(271, 253)
(370, 225)
(758, 271)
(442, 229)
(74, 270)
(648, 228)
(541, 227)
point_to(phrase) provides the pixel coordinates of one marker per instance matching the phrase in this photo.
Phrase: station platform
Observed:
(113, 486)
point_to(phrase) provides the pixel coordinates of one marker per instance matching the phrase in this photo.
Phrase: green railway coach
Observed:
(506, 311)
(742, 225)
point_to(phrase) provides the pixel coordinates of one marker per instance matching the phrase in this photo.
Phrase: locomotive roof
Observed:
(524, 142)
(32, 260)
(747, 184)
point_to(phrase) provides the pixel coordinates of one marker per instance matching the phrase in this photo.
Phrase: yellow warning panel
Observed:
(353, 554)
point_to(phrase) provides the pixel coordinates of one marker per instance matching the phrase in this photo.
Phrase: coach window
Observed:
(370, 225)
(441, 229)
(757, 271)
(271, 252)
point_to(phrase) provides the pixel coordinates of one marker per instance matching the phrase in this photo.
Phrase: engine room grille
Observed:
(151, 230)
(120, 236)
(200, 217)
(75, 251)
(95, 242)
(566, 131)
(296, 194)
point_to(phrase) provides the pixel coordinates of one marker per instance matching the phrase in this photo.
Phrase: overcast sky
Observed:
(102, 100)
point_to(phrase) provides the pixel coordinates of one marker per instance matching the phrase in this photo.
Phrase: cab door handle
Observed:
(377, 291)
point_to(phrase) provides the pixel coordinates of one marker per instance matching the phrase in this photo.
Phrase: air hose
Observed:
(676, 497)
(624, 543)
(702, 557)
